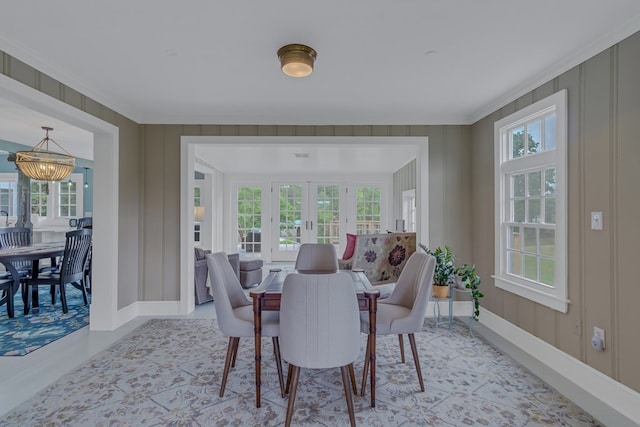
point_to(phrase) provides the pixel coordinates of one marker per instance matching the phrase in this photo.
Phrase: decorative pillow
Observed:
(351, 246)
(383, 256)
(200, 254)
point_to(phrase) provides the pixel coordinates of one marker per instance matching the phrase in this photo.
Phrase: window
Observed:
(61, 198)
(39, 193)
(54, 202)
(8, 197)
(530, 199)
(409, 209)
(368, 217)
(67, 199)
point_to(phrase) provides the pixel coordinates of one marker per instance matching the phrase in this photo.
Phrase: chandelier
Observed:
(44, 165)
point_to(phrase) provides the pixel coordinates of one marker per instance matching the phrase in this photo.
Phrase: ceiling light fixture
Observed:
(44, 165)
(296, 60)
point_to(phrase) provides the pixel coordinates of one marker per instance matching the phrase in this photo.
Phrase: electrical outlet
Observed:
(599, 333)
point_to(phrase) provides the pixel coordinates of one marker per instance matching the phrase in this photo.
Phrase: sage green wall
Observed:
(403, 179)
(604, 171)
(448, 176)
(129, 161)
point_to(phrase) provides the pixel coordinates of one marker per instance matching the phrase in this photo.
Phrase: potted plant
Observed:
(445, 274)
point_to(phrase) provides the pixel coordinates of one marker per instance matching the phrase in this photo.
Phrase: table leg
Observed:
(371, 340)
(257, 322)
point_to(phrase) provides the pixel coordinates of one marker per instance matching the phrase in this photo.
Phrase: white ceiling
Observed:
(379, 62)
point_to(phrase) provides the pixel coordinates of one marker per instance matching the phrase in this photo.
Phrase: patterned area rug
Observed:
(24, 334)
(168, 372)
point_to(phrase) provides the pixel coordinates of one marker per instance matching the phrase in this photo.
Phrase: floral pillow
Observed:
(383, 256)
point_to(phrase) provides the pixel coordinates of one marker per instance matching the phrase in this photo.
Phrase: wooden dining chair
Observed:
(77, 244)
(8, 288)
(319, 329)
(14, 237)
(403, 312)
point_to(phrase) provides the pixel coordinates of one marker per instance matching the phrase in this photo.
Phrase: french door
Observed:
(306, 212)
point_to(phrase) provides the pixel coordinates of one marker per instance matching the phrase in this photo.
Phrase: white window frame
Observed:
(53, 200)
(555, 296)
(10, 178)
(409, 209)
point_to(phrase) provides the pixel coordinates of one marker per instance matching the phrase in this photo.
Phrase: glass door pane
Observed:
(368, 210)
(289, 220)
(249, 221)
(327, 226)
(307, 213)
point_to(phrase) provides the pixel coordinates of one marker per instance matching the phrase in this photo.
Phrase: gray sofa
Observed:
(202, 273)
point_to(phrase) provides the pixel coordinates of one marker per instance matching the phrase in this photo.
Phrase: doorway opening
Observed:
(104, 308)
(252, 153)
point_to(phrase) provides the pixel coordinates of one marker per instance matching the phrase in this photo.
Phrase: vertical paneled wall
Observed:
(448, 154)
(403, 179)
(603, 172)
(450, 212)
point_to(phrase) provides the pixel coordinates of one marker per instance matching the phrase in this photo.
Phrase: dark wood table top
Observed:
(31, 252)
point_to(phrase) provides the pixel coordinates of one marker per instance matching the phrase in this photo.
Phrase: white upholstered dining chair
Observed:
(317, 258)
(319, 328)
(234, 314)
(403, 312)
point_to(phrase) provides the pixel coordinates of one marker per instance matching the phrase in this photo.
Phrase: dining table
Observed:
(266, 297)
(34, 253)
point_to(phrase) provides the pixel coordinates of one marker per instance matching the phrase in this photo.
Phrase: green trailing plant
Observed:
(470, 279)
(445, 274)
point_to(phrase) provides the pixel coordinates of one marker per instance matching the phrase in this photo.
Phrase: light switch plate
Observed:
(599, 333)
(596, 220)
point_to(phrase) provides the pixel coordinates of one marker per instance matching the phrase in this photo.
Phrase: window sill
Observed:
(546, 299)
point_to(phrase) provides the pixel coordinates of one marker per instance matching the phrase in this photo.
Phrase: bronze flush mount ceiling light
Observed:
(296, 60)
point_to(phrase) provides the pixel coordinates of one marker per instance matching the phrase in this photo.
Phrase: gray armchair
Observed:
(202, 291)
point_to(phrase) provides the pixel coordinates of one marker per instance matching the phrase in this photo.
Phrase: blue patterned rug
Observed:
(24, 334)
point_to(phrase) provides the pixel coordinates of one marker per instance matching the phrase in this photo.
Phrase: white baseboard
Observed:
(593, 384)
(147, 308)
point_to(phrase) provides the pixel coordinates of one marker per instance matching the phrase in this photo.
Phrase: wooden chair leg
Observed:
(352, 375)
(347, 392)
(10, 308)
(26, 297)
(289, 372)
(63, 299)
(366, 368)
(235, 352)
(233, 342)
(84, 292)
(414, 350)
(276, 353)
(401, 347)
(292, 394)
